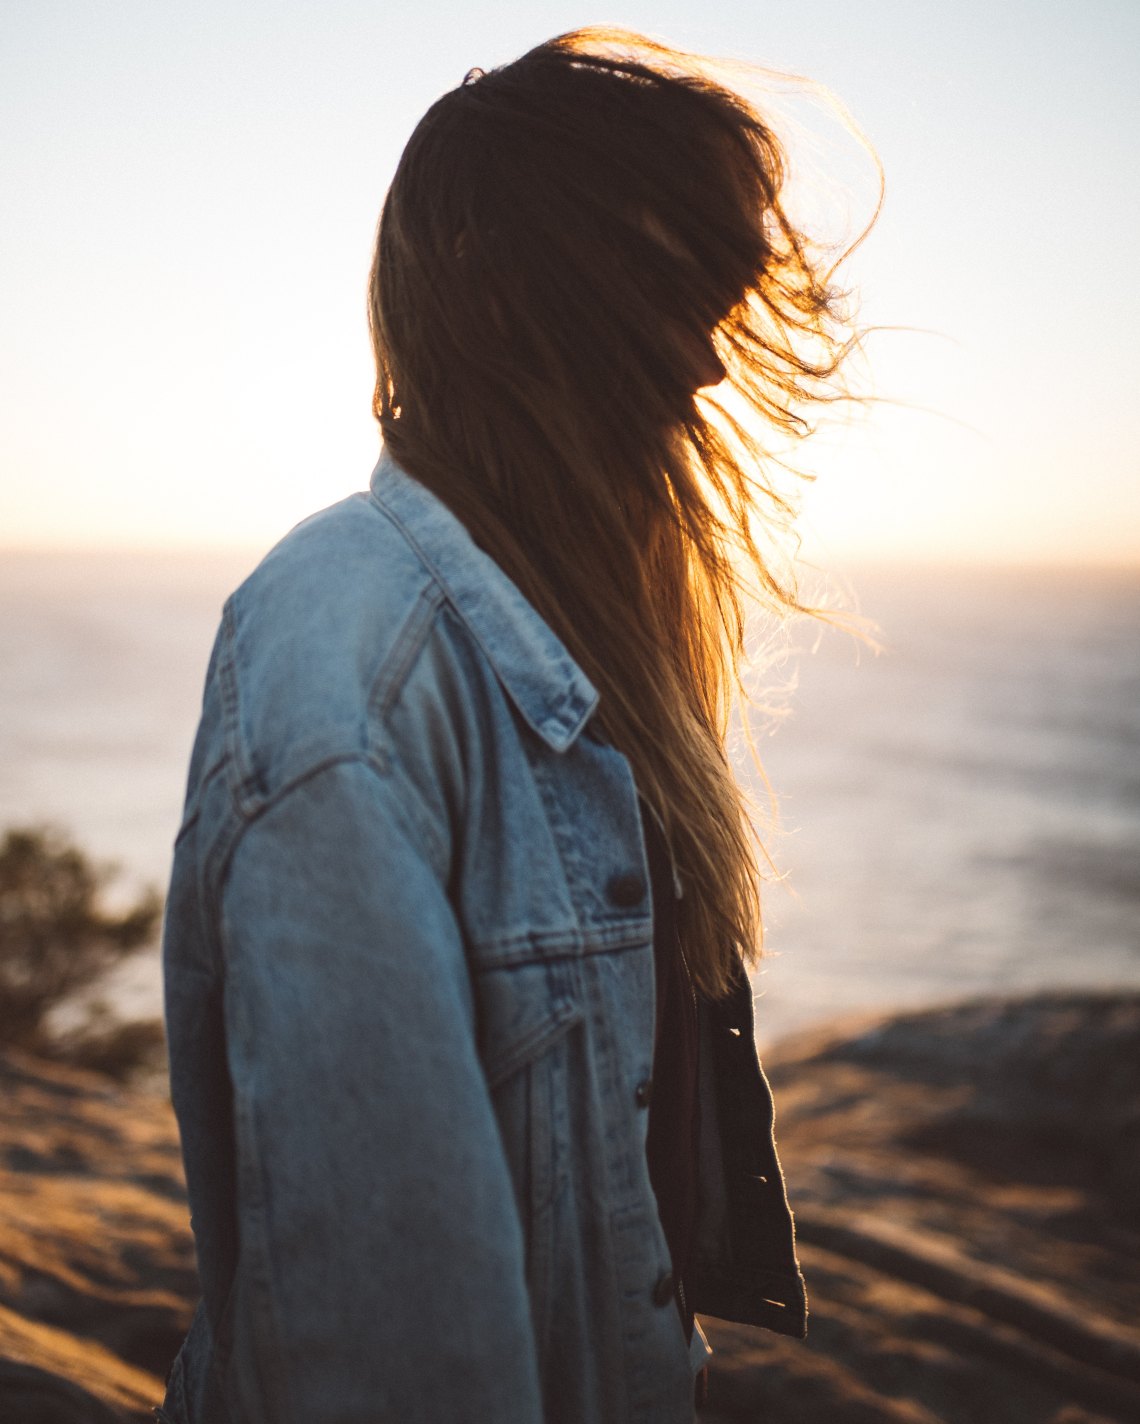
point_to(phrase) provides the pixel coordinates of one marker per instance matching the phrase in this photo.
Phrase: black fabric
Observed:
(673, 1128)
(752, 1275)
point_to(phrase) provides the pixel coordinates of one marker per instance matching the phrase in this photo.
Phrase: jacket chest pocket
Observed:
(591, 807)
(551, 858)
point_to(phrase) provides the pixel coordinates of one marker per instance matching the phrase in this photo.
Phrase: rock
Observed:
(97, 1275)
(965, 1190)
(1043, 1088)
(34, 1396)
(966, 1229)
(49, 1376)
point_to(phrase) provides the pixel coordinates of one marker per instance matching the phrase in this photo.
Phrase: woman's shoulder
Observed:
(342, 577)
(377, 618)
(310, 636)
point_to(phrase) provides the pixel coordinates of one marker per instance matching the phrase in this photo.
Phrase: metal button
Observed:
(644, 1092)
(663, 1290)
(626, 889)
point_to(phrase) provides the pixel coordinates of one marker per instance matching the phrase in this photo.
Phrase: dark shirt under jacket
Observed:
(672, 1144)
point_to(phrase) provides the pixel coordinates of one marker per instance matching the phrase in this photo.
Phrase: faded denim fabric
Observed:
(409, 996)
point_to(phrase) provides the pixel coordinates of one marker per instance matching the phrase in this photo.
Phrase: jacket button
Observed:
(644, 1092)
(663, 1290)
(625, 890)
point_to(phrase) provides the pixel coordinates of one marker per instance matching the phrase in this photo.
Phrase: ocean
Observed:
(959, 814)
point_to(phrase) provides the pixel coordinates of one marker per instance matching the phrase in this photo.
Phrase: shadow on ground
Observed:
(967, 1191)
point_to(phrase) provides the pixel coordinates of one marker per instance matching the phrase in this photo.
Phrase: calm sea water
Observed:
(960, 814)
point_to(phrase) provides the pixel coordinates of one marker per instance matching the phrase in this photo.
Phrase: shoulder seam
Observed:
(249, 795)
(220, 857)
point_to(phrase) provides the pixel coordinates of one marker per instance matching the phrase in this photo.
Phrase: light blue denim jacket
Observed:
(410, 1003)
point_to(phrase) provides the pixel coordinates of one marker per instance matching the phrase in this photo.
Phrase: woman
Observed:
(460, 1033)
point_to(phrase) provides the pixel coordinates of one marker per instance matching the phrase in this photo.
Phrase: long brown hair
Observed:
(566, 240)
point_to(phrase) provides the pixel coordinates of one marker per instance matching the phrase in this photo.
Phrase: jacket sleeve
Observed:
(381, 1259)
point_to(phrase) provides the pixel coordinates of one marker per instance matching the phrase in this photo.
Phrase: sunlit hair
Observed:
(565, 241)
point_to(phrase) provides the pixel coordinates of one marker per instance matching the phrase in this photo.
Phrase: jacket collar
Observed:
(549, 689)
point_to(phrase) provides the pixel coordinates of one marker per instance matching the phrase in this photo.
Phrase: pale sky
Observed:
(189, 199)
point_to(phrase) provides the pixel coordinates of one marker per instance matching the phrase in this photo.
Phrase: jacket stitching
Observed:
(405, 653)
(244, 786)
(566, 695)
(226, 845)
(416, 822)
(267, 1327)
(601, 938)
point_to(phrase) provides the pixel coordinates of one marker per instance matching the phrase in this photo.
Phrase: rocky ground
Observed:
(967, 1191)
(96, 1260)
(966, 1184)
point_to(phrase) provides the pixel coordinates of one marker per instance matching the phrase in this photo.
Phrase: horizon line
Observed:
(835, 563)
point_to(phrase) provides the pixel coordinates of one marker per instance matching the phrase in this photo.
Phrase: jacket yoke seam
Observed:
(565, 698)
(226, 843)
(249, 800)
(410, 642)
(383, 696)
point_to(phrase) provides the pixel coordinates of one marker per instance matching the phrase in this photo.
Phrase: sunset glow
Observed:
(190, 204)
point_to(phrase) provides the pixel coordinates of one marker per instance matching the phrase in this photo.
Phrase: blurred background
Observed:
(190, 195)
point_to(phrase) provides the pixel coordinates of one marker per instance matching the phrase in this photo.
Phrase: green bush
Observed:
(58, 939)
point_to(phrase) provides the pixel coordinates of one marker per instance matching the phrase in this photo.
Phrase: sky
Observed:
(190, 195)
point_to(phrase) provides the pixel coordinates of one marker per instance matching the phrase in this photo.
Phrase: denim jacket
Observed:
(409, 997)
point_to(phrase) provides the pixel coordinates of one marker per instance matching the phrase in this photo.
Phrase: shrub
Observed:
(57, 939)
